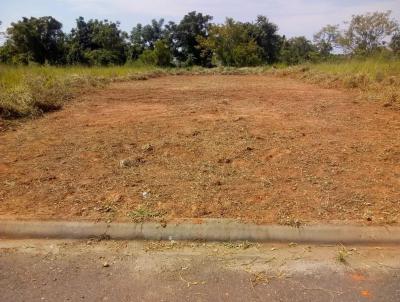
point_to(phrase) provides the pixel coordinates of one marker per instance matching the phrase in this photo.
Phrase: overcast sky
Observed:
(294, 17)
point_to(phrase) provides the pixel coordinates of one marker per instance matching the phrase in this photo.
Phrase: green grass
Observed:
(371, 67)
(32, 90)
(377, 78)
(16, 75)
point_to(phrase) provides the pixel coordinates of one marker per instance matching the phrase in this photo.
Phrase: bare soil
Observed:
(256, 148)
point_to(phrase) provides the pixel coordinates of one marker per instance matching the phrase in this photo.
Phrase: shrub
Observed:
(232, 45)
(160, 56)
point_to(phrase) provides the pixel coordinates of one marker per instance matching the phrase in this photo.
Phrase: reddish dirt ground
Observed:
(257, 148)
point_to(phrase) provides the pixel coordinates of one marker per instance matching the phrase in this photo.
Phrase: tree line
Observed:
(195, 40)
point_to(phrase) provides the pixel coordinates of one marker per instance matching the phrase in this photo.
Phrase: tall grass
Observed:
(374, 68)
(378, 78)
(32, 90)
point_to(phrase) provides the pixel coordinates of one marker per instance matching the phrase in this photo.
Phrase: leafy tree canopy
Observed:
(297, 50)
(96, 43)
(38, 40)
(184, 39)
(232, 44)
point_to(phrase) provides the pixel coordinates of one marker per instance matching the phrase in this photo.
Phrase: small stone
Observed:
(106, 264)
(224, 161)
(127, 163)
(148, 148)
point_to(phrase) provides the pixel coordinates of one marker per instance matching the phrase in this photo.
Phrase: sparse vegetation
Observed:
(378, 78)
(342, 255)
(143, 213)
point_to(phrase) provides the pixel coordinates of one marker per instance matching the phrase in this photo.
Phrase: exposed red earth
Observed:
(257, 148)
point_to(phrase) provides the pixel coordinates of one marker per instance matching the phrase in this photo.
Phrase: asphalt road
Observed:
(41, 270)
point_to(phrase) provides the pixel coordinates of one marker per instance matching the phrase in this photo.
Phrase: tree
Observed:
(297, 50)
(137, 45)
(327, 39)
(8, 54)
(160, 55)
(265, 34)
(96, 43)
(144, 37)
(395, 43)
(184, 39)
(38, 40)
(232, 45)
(1, 33)
(367, 33)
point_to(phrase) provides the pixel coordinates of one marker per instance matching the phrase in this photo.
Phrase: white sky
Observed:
(294, 17)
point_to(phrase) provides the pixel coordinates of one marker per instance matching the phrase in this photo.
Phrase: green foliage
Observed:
(395, 43)
(148, 57)
(162, 54)
(366, 33)
(145, 37)
(32, 90)
(159, 56)
(103, 57)
(192, 41)
(2, 34)
(265, 34)
(96, 43)
(363, 35)
(38, 40)
(377, 77)
(327, 39)
(232, 45)
(8, 53)
(184, 39)
(298, 50)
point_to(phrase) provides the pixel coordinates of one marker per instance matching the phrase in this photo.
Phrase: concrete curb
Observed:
(208, 230)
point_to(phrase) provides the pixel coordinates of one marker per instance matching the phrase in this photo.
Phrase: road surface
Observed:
(50, 270)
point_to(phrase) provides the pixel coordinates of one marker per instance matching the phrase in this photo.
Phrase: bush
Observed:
(298, 50)
(148, 57)
(232, 45)
(103, 57)
(160, 56)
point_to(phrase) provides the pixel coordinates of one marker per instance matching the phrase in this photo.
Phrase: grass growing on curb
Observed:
(342, 255)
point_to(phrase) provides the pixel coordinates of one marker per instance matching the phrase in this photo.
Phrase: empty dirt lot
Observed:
(258, 148)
